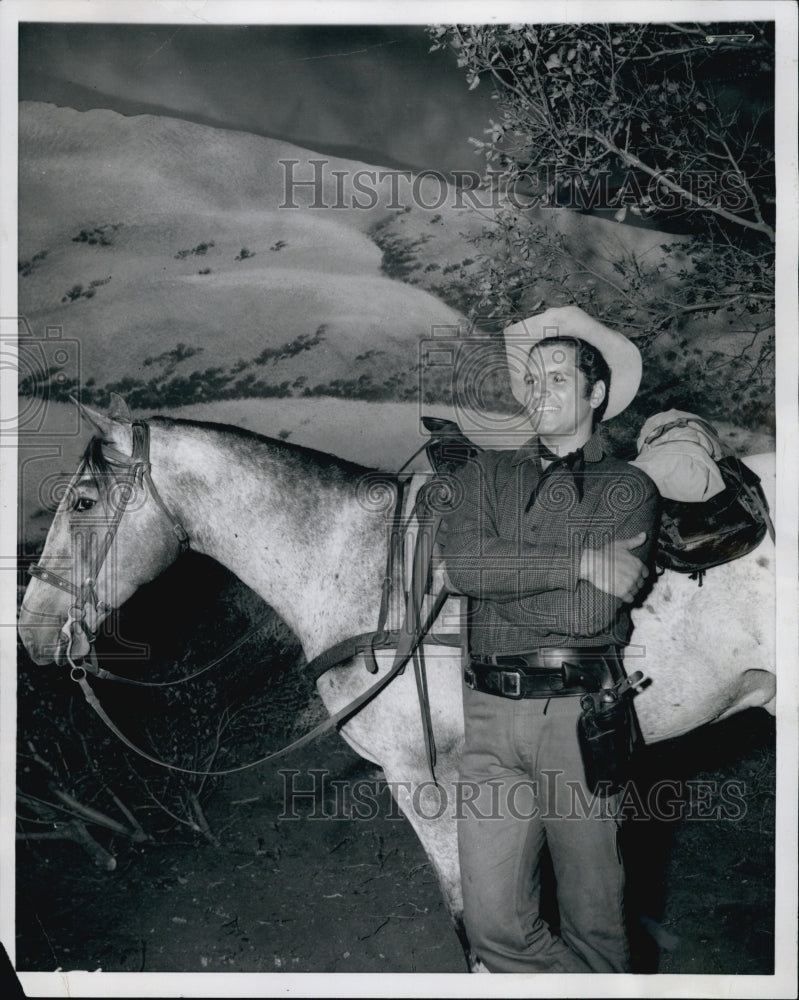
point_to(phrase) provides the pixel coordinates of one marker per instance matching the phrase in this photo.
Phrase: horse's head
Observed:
(111, 533)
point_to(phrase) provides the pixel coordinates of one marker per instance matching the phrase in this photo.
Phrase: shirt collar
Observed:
(592, 450)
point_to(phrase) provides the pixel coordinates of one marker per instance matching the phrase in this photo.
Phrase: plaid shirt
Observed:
(520, 567)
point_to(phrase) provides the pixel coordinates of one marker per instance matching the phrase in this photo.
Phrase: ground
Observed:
(304, 894)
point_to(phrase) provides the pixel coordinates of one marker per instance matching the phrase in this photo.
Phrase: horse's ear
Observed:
(118, 410)
(113, 430)
(97, 419)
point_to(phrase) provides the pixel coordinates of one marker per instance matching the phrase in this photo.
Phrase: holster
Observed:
(608, 733)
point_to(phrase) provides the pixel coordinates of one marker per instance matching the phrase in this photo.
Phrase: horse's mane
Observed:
(248, 444)
(248, 447)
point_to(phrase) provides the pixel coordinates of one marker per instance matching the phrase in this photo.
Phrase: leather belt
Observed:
(545, 673)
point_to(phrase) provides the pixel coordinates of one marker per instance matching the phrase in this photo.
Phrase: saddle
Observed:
(448, 447)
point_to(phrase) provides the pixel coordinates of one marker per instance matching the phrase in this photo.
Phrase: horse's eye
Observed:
(84, 503)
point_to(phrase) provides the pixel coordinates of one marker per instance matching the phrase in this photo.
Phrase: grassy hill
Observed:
(161, 246)
(165, 248)
(158, 259)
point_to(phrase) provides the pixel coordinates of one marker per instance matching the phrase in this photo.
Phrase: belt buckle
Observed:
(510, 681)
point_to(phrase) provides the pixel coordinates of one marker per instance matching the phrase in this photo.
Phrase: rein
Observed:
(407, 641)
(78, 674)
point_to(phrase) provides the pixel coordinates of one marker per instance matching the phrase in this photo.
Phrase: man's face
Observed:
(557, 401)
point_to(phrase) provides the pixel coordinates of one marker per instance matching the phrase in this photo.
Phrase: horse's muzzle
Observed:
(44, 644)
(40, 652)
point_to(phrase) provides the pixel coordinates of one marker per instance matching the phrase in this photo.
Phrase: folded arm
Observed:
(572, 586)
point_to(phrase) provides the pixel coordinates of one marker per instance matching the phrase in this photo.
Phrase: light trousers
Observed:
(523, 786)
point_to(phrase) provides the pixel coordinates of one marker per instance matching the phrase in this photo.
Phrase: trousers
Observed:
(523, 787)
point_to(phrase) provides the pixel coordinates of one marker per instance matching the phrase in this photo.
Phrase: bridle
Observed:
(137, 466)
(406, 641)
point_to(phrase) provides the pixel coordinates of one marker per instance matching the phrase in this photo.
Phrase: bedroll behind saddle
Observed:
(732, 516)
(697, 536)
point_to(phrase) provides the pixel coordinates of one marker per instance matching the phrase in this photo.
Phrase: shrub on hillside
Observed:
(99, 235)
(199, 251)
(79, 292)
(27, 267)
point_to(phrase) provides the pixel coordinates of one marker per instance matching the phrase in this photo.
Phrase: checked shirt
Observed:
(519, 561)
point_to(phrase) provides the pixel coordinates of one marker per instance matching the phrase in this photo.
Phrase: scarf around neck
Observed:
(573, 461)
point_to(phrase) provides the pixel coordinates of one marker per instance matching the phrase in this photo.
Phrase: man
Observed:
(550, 543)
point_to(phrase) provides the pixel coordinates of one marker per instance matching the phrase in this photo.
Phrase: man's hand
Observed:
(614, 568)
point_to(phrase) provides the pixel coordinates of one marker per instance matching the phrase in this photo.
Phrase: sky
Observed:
(371, 92)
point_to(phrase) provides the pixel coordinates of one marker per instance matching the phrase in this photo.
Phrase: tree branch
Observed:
(78, 833)
(634, 161)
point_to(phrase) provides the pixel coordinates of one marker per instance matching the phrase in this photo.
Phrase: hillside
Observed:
(158, 259)
(167, 250)
(164, 263)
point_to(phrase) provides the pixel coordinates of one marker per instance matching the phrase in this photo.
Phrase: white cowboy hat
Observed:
(622, 356)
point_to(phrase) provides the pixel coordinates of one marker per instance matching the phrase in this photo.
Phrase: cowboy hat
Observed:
(622, 356)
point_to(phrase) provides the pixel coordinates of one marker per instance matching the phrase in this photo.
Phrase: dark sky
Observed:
(372, 92)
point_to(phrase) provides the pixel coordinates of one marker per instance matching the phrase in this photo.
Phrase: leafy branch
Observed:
(646, 123)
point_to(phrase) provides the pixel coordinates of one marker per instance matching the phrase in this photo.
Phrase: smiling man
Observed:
(551, 544)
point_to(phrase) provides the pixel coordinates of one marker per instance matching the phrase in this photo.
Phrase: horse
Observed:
(309, 533)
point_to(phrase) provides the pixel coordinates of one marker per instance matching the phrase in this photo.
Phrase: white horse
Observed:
(309, 533)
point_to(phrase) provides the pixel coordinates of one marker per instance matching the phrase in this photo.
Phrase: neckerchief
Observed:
(574, 462)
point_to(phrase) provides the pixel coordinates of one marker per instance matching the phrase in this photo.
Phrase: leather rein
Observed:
(406, 641)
